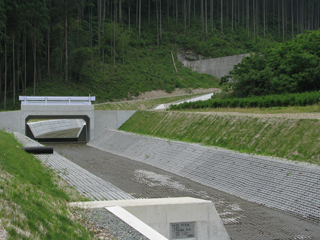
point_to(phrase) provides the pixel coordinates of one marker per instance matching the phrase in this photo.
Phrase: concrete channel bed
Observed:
(220, 169)
(283, 185)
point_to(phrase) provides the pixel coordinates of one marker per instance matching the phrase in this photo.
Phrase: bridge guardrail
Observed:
(56, 100)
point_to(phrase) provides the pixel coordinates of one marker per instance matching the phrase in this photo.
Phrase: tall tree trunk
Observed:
(222, 16)
(48, 38)
(13, 73)
(157, 23)
(283, 30)
(103, 22)
(137, 12)
(189, 12)
(185, 15)
(34, 62)
(111, 33)
(206, 15)
(292, 29)
(129, 7)
(5, 67)
(90, 24)
(25, 58)
(149, 11)
(211, 15)
(1, 68)
(168, 11)
(176, 12)
(18, 67)
(114, 33)
(121, 18)
(202, 17)
(139, 17)
(302, 17)
(248, 17)
(232, 13)
(160, 20)
(279, 7)
(254, 20)
(99, 23)
(66, 41)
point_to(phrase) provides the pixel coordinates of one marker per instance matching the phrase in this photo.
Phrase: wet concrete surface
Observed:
(242, 219)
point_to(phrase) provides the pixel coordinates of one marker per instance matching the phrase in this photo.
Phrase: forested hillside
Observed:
(120, 48)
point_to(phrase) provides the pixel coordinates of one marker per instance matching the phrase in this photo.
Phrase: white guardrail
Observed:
(42, 100)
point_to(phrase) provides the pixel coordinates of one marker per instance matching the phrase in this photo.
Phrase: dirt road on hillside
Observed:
(242, 219)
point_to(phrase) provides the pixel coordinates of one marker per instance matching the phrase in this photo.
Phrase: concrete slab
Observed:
(136, 223)
(169, 216)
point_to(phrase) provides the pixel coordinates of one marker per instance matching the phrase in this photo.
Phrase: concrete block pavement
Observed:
(275, 183)
(85, 182)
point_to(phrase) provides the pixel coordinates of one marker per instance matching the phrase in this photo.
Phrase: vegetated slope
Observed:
(33, 198)
(295, 139)
(145, 69)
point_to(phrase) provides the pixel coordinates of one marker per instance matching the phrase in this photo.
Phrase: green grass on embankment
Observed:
(315, 108)
(295, 139)
(33, 198)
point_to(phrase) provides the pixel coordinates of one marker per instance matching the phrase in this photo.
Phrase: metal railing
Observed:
(43, 100)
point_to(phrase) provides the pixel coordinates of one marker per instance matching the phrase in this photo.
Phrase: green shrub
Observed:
(283, 100)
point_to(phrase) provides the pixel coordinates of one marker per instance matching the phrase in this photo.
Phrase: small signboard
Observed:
(183, 230)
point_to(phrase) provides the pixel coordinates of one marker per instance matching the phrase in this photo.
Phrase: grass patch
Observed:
(142, 104)
(295, 139)
(33, 198)
(272, 110)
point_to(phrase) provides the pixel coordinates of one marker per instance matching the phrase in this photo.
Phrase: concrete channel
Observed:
(122, 165)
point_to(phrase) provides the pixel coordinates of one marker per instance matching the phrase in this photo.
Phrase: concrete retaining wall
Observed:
(282, 185)
(43, 127)
(10, 121)
(217, 67)
(110, 119)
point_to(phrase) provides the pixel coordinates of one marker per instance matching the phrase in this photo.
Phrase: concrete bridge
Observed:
(96, 122)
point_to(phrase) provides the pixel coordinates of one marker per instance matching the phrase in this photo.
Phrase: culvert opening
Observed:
(58, 129)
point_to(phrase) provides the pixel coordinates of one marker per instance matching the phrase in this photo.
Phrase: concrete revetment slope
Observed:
(217, 67)
(282, 185)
